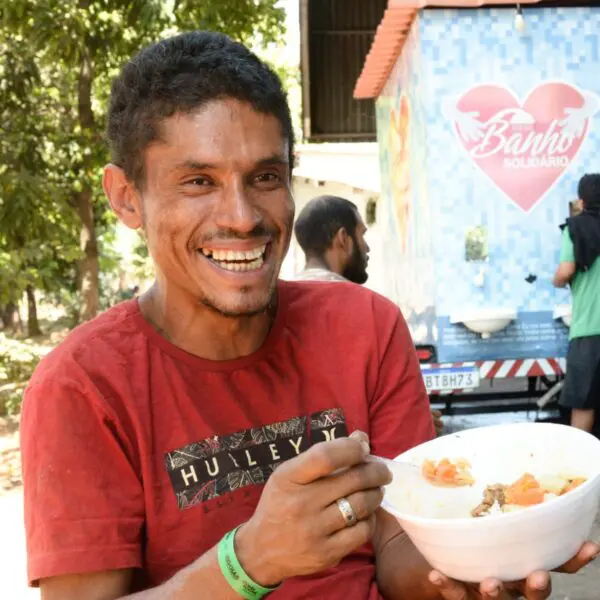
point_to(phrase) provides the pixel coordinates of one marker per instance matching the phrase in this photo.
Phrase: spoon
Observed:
(399, 468)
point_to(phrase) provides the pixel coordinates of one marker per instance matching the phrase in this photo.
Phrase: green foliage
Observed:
(17, 368)
(476, 243)
(142, 262)
(17, 362)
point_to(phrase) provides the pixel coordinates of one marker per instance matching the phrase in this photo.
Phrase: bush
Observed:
(17, 369)
(17, 363)
(11, 400)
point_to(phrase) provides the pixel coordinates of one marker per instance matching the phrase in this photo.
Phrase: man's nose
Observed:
(236, 210)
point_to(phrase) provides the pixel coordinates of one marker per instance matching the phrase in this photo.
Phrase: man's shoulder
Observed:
(95, 344)
(321, 299)
(319, 274)
(566, 235)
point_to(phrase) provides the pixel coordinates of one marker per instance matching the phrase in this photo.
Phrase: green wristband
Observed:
(234, 573)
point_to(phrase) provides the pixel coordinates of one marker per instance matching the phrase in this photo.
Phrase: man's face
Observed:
(217, 206)
(356, 267)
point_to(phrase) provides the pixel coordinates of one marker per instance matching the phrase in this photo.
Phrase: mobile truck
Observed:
(486, 120)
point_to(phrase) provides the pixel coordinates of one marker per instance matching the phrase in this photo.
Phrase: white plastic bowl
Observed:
(507, 546)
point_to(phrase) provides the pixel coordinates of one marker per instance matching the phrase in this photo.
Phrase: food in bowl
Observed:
(438, 519)
(448, 473)
(526, 491)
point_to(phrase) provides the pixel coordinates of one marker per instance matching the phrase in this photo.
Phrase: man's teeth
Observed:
(241, 266)
(231, 255)
(236, 260)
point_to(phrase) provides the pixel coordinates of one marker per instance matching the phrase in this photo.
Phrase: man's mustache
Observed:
(224, 235)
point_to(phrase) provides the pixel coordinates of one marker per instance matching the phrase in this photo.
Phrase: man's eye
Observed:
(200, 181)
(267, 178)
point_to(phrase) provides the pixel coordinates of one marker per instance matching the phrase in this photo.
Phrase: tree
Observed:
(74, 49)
(37, 237)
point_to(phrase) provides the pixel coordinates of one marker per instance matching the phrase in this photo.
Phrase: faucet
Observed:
(479, 279)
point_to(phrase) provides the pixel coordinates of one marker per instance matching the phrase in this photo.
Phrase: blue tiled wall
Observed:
(455, 51)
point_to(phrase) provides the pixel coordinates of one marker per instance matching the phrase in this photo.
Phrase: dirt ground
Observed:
(584, 586)
(10, 463)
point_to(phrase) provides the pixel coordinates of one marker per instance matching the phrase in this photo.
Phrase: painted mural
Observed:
(399, 144)
(523, 146)
(403, 211)
(501, 127)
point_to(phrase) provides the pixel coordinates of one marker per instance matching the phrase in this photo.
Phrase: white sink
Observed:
(563, 312)
(485, 321)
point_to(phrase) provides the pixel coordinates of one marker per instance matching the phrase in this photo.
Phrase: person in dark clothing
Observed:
(580, 268)
(584, 226)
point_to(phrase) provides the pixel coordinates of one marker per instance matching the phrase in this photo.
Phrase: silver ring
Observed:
(347, 512)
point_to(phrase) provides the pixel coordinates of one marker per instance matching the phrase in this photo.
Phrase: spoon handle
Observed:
(397, 467)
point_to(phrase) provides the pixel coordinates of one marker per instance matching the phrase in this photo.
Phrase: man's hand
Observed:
(297, 527)
(538, 586)
(564, 274)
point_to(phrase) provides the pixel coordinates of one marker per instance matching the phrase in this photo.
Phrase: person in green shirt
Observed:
(580, 268)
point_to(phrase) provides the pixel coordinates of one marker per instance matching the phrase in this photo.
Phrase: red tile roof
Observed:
(391, 36)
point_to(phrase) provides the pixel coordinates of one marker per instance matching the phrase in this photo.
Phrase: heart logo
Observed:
(523, 147)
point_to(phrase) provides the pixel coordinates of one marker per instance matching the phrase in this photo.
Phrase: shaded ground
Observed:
(10, 462)
(12, 549)
(19, 356)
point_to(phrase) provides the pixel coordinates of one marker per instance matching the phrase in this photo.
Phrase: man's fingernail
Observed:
(436, 579)
(365, 446)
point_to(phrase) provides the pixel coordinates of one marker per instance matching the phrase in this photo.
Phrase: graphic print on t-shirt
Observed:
(215, 466)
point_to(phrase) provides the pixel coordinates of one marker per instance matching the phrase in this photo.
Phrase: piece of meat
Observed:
(493, 494)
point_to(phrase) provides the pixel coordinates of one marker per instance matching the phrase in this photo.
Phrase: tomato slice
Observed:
(526, 491)
(446, 473)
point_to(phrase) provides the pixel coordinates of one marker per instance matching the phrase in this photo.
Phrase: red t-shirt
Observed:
(138, 454)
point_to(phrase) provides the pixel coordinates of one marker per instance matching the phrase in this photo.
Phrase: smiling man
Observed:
(174, 448)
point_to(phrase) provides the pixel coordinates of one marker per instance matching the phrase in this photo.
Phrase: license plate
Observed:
(453, 378)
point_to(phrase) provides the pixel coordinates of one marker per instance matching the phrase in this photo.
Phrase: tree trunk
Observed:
(10, 318)
(33, 325)
(89, 269)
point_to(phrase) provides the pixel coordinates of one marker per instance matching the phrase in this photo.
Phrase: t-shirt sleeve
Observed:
(400, 413)
(84, 504)
(567, 251)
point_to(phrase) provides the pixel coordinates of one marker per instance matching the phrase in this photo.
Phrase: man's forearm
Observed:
(402, 572)
(557, 282)
(203, 579)
(564, 274)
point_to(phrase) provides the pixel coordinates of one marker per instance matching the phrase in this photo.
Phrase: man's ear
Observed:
(123, 197)
(342, 240)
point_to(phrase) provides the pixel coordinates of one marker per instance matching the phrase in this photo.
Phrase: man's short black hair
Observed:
(180, 74)
(320, 220)
(589, 191)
